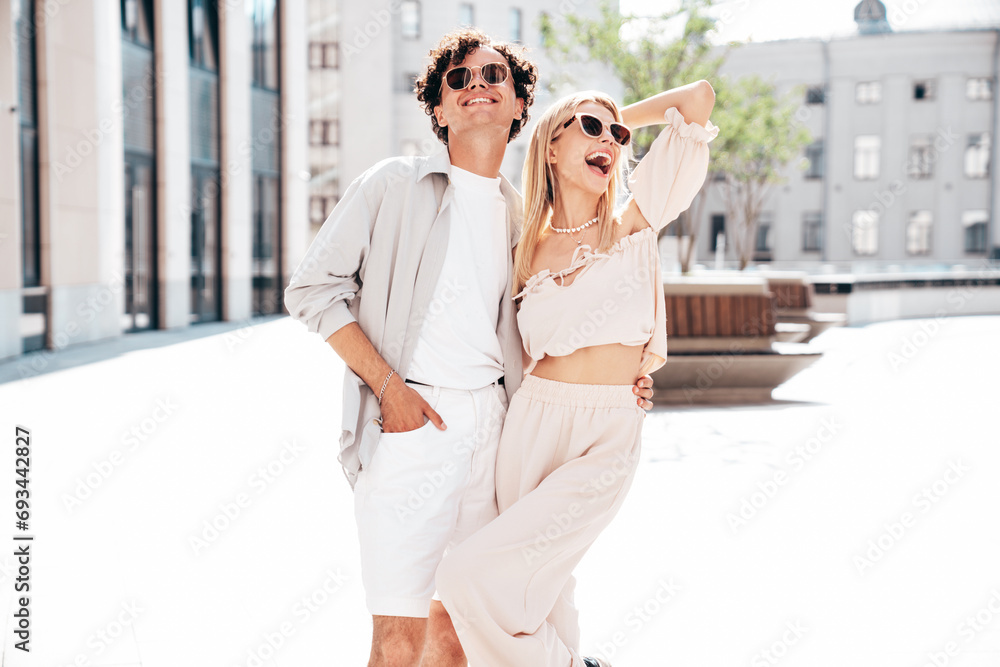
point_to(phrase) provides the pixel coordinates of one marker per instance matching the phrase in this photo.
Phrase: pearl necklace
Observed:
(575, 229)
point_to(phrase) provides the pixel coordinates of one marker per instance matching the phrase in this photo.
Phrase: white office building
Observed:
(902, 167)
(365, 57)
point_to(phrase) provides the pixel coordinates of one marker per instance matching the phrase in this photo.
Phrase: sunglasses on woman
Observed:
(593, 126)
(492, 73)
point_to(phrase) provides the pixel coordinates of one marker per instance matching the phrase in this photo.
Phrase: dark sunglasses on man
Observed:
(492, 73)
(593, 126)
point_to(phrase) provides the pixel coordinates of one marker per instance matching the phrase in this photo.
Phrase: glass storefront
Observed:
(266, 132)
(139, 117)
(206, 226)
(34, 309)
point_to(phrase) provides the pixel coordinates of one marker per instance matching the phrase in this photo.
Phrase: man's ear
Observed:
(520, 108)
(439, 115)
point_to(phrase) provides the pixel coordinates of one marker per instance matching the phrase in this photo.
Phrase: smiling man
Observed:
(409, 280)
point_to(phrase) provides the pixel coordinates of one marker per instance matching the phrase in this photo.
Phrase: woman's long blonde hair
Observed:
(541, 187)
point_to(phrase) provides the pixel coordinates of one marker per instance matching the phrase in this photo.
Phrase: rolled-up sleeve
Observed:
(326, 280)
(668, 177)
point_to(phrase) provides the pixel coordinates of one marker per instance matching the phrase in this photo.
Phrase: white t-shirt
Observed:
(458, 346)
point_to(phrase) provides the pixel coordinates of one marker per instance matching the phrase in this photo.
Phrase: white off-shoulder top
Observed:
(617, 296)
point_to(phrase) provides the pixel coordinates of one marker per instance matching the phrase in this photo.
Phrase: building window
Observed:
(979, 89)
(137, 21)
(762, 246)
(324, 132)
(918, 233)
(921, 161)
(815, 95)
(864, 232)
(34, 323)
(266, 127)
(409, 15)
(974, 224)
(27, 111)
(408, 82)
(139, 142)
(203, 34)
(718, 227)
(466, 14)
(812, 231)
(866, 157)
(515, 25)
(323, 55)
(814, 154)
(205, 145)
(264, 42)
(868, 92)
(924, 90)
(977, 156)
(320, 207)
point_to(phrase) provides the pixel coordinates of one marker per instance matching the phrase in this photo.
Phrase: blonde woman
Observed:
(591, 317)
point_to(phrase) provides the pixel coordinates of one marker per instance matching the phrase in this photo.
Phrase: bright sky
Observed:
(765, 20)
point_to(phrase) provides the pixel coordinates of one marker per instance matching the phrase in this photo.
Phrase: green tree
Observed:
(636, 51)
(757, 134)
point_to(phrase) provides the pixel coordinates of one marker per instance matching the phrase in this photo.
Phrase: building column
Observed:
(173, 163)
(10, 193)
(294, 64)
(81, 165)
(235, 161)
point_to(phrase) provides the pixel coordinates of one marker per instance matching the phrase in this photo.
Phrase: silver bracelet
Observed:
(384, 385)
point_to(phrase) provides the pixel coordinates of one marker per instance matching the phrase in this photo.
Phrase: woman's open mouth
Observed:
(599, 162)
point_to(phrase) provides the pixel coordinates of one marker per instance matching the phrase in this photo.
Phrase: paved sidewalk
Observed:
(188, 510)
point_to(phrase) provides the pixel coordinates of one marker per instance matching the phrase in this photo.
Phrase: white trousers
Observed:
(565, 462)
(424, 492)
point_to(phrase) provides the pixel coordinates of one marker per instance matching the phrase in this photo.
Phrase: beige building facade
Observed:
(152, 164)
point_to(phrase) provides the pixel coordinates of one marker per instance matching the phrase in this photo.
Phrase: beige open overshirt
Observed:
(376, 261)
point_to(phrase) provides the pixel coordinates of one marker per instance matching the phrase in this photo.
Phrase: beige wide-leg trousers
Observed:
(565, 462)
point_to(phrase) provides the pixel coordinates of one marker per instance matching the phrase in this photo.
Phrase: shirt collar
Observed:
(437, 162)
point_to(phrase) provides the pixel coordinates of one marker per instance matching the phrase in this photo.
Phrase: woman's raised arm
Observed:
(694, 101)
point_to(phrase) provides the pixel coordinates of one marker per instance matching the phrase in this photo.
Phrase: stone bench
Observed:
(706, 315)
(724, 342)
(794, 302)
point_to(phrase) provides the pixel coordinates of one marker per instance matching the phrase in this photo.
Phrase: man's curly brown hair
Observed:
(453, 49)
